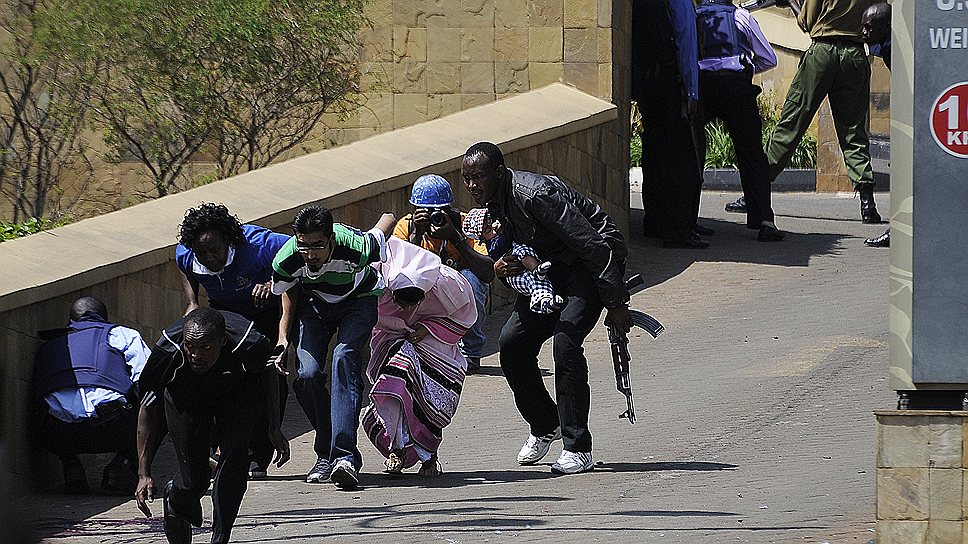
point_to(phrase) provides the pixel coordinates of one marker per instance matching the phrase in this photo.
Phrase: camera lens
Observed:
(438, 218)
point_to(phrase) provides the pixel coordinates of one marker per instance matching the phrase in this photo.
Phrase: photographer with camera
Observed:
(435, 225)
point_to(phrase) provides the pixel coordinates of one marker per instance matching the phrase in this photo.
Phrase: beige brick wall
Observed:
(921, 477)
(431, 58)
(485, 48)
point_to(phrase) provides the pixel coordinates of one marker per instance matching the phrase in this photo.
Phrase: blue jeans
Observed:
(335, 413)
(472, 344)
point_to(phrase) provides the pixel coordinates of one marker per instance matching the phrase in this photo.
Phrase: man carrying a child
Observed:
(588, 255)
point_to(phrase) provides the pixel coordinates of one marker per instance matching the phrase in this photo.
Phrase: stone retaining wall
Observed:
(921, 477)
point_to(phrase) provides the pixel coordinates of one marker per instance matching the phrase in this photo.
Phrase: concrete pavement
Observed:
(754, 416)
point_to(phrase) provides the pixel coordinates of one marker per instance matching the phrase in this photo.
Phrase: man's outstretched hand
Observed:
(144, 494)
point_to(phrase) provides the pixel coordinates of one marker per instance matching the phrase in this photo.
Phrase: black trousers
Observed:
(521, 339)
(111, 433)
(671, 175)
(191, 420)
(732, 98)
(260, 447)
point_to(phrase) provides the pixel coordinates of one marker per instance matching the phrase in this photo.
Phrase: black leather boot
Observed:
(868, 209)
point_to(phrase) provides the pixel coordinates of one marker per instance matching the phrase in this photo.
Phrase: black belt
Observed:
(839, 41)
(732, 73)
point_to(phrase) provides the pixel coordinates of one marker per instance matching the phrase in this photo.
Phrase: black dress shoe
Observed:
(120, 476)
(770, 234)
(737, 206)
(703, 231)
(883, 240)
(691, 243)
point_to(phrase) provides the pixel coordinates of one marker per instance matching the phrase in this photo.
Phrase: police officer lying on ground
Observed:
(207, 371)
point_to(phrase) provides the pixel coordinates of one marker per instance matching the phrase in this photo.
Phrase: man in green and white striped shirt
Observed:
(337, 293)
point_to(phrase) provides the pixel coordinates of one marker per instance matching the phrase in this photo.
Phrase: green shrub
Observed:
(635, 150)
(719, 146)
(9, 231)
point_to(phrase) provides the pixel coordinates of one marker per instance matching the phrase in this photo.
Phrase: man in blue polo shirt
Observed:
(233, 262)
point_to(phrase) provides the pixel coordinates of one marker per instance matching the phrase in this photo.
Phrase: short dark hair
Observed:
(210, 216)
(85, 305)
(494, 156)
(313, 219)
(207, 319)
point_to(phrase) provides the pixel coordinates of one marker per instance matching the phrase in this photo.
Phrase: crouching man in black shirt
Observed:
(207, 371)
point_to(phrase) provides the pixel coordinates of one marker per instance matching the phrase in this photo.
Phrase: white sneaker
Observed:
(344, 475)
(573, 462)
(537, 447)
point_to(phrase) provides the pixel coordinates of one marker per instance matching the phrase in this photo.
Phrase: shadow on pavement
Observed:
(458, 479)
(732, 243)
(655, 467)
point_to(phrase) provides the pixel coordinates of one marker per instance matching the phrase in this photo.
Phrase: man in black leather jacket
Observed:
(587, 253)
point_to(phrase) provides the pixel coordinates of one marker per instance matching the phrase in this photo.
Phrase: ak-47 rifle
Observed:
(620, 349)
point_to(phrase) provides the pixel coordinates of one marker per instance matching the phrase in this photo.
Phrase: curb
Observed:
(791, 180)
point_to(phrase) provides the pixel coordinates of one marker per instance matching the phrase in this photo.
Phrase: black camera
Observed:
(438, 218)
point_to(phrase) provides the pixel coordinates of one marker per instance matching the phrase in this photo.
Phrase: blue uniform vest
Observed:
(81, 357)
(719, 36)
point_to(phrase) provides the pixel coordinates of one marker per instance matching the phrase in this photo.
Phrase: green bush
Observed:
(719, 146)
(9, 231)
(635, 150)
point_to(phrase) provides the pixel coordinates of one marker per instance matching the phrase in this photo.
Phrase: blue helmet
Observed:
(431, 191)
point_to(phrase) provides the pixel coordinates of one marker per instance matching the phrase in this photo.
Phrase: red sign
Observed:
(949, 120)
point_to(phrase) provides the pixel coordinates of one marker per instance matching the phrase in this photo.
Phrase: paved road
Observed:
(754, 417)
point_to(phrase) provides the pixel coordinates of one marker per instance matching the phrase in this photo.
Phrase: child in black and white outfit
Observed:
(534, 282)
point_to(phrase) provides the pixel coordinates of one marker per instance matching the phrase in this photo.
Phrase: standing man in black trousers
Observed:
(734, 48)
(587, 253)
(665, 85)
(208, 371)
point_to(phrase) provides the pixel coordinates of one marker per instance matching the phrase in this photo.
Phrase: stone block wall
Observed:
(428, 58)
(921, 477)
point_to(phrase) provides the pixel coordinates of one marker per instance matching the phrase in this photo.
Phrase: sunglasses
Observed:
(318, 246)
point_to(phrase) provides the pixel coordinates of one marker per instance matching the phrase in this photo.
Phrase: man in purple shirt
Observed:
(734, 48)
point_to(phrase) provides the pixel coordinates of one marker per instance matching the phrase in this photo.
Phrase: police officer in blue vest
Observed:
(84, 381)
(733, 49)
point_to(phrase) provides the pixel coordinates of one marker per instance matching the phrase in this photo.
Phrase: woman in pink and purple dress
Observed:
(416, 368)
